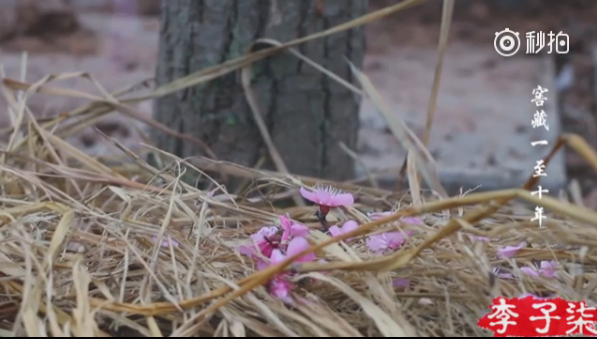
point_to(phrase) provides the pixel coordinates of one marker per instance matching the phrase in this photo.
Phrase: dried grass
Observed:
(78, 256)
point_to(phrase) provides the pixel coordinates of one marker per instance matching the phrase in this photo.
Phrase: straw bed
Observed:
(92, 266)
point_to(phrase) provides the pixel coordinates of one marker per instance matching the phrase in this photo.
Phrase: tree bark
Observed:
(307, 113)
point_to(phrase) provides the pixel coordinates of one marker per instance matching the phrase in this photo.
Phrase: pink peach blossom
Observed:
(348, 226)
(401, 283)
(261, 264)
(281, 288)
(387, 240)
(327, 196)
(510, 251)
(529, 271)
(262, 243)
(295, 246)
(292, 229)
(547, 269)
(166, 242)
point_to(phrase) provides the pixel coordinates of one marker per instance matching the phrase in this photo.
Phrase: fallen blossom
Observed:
(280, 288)
(510, 251)
(327, 198)
(387, 240)
(295, 246)
(401, 283)
(529, 271)
(264, 241)
(292, 229)
(549, 268)
(166, 242)
(348, 227)
(272, 245)
(546, 269)
(261, 265)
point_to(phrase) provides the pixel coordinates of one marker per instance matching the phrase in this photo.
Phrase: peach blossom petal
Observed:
(343, 199)
(327, 196)
(549, 268)
(298, 245)
(510, 251)
(260, 243)
(292, 229)
(529, 271)
(335, 231)
(298, 230)
(388, 240)
(277, 256)
(349, 226)
(401, 283)
(280, 288)
(309, 195)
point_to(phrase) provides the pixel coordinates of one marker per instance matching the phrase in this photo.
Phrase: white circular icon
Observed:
(506, 42)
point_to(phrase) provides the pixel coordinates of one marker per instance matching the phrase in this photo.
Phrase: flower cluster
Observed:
(327, 197)
(546, 268)
(273, 244)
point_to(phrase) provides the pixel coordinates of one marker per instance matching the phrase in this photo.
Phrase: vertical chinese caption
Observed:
(539, 121)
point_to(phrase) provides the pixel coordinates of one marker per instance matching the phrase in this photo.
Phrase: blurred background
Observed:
(484, 98)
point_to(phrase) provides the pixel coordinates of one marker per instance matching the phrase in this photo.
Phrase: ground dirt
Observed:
(116, 41)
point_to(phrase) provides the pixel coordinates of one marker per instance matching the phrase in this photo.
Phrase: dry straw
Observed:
(81, 252)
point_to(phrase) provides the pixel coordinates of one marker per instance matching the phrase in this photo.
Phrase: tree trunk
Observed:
(307, 113)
